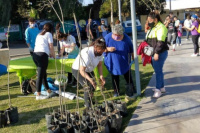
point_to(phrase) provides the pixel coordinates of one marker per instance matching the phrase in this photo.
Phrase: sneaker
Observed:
(162, 90)
(69, 82)
(157, 93)
(41, 97)
(194, 55)
(180, 44)
(52, 94)
(177, 44)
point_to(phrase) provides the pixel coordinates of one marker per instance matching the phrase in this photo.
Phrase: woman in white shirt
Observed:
(86, 61)
(43, 49)
(68, 45)
(188, 24)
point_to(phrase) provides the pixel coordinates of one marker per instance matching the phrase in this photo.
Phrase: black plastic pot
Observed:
(3, 118)
(121, 106)
(13, 115)
(115, 121)
(80, 128)
(66, 128)
(54, 129)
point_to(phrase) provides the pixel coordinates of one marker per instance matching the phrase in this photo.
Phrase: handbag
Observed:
(179, 34)
(148, 50)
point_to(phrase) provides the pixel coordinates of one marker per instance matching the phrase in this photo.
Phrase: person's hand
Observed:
(110, 49)
(103, 81)
(30, 49)
(93, 83)
(156, 57)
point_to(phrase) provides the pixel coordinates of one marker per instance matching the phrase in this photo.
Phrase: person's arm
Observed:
(73, 45)
(52, 53)
(190, 29)
(27, 38)
(62, 49)
(110, 49)
(86, 76)
(100, 69)
(132, 55)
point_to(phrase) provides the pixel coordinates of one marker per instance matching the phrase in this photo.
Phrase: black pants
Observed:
(84, 82)
(195, 43)
(127, 77)
(71, 78)
(41, 61)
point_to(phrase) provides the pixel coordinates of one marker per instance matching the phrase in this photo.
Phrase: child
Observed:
(180, 33)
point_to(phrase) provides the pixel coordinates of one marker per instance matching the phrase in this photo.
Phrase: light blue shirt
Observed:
(30, 36)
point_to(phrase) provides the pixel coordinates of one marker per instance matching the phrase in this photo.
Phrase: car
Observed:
(3, 39)
(128, 26)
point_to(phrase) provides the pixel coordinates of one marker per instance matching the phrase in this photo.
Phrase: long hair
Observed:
(100, 43)
(154, 15)
(47, 28)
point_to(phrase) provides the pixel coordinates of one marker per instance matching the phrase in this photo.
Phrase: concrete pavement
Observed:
(178, 110)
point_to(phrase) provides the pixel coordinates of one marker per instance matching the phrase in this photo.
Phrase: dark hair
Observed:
(99, 42)
(171, 13)
(154, 15)
(175, 16)
(31, 20)
(62, 35)
(47, 28)
(188, 16)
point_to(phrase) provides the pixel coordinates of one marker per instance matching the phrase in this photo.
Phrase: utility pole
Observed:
(134, 36)
(170, 5)
(120, 12)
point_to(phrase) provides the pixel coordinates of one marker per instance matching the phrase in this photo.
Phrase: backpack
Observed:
(26, 87)
(198, 30)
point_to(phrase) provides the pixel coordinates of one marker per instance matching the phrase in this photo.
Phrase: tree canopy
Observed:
(16, 10)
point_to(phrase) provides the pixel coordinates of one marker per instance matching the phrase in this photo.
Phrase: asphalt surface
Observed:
(178, 110)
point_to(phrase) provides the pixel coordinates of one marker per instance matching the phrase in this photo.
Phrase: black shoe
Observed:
(74, 85)
(69, 82)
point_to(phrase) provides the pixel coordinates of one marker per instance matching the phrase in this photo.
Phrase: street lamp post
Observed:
(120, 12)
(134, 36)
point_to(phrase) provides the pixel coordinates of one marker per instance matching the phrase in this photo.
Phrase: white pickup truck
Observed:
(3, 38)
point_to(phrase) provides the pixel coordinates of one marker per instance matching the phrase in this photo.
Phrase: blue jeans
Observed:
(158, 68)
(178, 40)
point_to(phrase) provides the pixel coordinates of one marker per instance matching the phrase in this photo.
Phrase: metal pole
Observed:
(134, 36)
(120, 12)
(170, 5)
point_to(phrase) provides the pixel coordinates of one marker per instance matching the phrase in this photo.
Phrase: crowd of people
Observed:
(114, 46)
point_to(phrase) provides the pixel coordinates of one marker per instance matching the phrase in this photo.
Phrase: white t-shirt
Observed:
(177, 22)
(88, 60)
(188, 23)
(67, 43)
(42, 43)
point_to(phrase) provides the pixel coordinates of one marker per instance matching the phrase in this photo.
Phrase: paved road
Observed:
(177, 111)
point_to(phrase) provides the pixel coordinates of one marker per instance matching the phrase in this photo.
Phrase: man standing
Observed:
(30, 35)
(188, 24)
(103, 28)
(89, 31)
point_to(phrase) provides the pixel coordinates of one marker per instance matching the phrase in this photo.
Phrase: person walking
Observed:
(195, 35)
(157, 38)
(172, 32)
(117, 58)
(42, 51)
(31, 34)
(89, 28)
(187, 24)
(103, 28)
(84, 64)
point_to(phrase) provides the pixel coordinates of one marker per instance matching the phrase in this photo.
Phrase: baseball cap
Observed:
(194, 16)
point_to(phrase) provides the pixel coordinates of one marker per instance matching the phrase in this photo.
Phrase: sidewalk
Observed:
(178, 110)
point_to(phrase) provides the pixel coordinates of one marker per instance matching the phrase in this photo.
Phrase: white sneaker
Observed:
(180, 44)
(194, 55)
(177, 44)
(41, 97)
(162, 90)
(157, 93)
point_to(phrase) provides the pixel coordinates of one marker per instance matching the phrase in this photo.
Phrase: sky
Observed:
(86, 2)
(183, 4)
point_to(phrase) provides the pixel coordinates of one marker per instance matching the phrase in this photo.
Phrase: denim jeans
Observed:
(158, 68)
(178, 40)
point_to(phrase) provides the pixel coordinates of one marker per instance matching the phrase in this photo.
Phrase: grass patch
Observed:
(32, 112)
